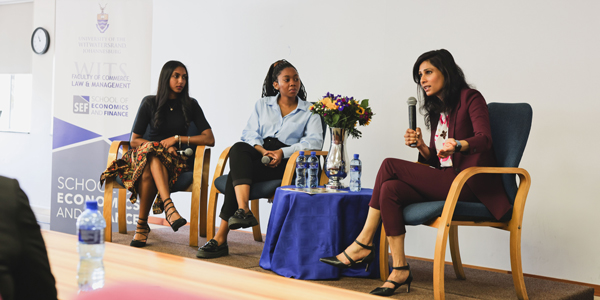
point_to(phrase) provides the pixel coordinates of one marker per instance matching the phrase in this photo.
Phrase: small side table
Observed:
(303, 228)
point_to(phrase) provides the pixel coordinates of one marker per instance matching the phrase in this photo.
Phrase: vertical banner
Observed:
(101, 74)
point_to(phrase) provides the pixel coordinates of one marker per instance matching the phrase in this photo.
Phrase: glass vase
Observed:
(337, 163)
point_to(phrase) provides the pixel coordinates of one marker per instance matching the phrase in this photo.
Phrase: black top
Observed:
(174, 123)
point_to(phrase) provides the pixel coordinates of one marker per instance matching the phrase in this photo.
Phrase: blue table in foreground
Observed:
(303, 228)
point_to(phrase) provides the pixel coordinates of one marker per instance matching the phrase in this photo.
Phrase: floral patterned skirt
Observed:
(131, 166)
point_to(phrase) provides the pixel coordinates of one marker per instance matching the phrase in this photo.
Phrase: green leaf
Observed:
(364, 103)
(335, 119)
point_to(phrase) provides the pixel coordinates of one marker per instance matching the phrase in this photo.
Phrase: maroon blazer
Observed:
(470, 121)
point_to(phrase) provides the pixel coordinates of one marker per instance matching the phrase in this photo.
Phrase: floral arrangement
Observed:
(343, 112)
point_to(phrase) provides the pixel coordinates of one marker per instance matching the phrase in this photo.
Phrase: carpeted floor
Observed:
(244, 252)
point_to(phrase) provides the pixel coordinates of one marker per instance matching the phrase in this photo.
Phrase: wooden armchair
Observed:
(265, 189)
(195, 181)
(510, 124)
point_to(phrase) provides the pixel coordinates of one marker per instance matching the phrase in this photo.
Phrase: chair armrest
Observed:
(201, 162)
(113, 152)
(461, 179)
(221, 164)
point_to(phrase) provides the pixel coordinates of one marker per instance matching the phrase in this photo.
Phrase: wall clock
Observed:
(40, 40)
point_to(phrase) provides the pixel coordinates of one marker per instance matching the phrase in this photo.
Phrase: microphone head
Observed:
(412, 101)
(265, 160)
(188, 152)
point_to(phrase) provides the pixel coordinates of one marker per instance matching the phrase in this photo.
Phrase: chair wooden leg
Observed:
(256, 229)
(212, 213)
(384, 256)
(122, 208)
(195, 207)
(515, 262)
(108, 197)
(455, 253)
(439, 260)
(204, 192)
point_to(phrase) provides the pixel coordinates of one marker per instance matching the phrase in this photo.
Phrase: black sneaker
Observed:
(212, 250)
(241, 219)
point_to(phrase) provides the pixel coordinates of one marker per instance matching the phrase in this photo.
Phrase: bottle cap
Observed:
(301, 152)
(93, 205)
(355, 156)
(313, 153)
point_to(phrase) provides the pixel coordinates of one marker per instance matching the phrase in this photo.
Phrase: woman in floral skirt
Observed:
(151, 167)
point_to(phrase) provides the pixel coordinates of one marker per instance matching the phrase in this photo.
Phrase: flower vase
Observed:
(336, 164)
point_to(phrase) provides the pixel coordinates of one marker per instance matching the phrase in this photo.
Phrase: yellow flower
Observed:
(360, 110)
(311, 107)
(328, 103)
(368, 122)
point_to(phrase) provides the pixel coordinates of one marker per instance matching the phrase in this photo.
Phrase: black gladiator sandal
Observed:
(171, 207)
(145, 230)
(383, 291)
(338, 264)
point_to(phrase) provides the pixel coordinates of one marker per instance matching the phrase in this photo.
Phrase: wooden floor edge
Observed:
(594, 286)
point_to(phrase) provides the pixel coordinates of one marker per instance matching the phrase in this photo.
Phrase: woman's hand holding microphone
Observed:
(168, 144)
(276, 157)
(413, 137)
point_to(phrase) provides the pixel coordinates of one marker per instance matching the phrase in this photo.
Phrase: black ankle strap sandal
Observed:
(169, 211)
(144, 231)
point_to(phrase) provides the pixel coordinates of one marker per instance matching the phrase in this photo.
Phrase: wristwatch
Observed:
(458, 146)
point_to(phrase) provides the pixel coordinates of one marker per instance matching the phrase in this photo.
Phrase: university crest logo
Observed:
(102, 19)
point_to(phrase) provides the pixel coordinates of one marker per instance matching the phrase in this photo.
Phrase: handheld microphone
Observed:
(412, 115)
(187, 152)
(265, 160)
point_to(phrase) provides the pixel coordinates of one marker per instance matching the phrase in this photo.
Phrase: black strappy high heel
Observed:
(337, 263)
(141, 231)
(171, 207)
(384, 291)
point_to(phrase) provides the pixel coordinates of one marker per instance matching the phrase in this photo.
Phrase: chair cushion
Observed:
(258, 190)
(183, 182)
(185, 179)
(420, 213)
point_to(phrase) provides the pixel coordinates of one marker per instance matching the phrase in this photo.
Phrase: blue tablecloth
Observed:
(303, 228)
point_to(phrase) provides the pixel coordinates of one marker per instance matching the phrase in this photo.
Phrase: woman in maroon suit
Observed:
(460, 138)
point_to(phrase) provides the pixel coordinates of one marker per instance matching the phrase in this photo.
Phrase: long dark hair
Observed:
(454, 82)
(274, 71)
(164, 90)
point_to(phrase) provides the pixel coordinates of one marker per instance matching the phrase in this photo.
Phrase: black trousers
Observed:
(245, 167)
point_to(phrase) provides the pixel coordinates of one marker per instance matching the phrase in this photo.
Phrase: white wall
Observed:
(27, 157)
(15, 28)
(541, 52)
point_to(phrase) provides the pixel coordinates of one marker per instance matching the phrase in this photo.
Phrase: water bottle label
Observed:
(355, 168)
(90, 236)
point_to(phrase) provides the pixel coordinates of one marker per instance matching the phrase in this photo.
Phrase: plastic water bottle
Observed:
(355, 170)
(301, 170)
(313, 170)
(90, 229)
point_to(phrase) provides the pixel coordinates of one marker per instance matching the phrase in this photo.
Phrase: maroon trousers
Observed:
(400, 183)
